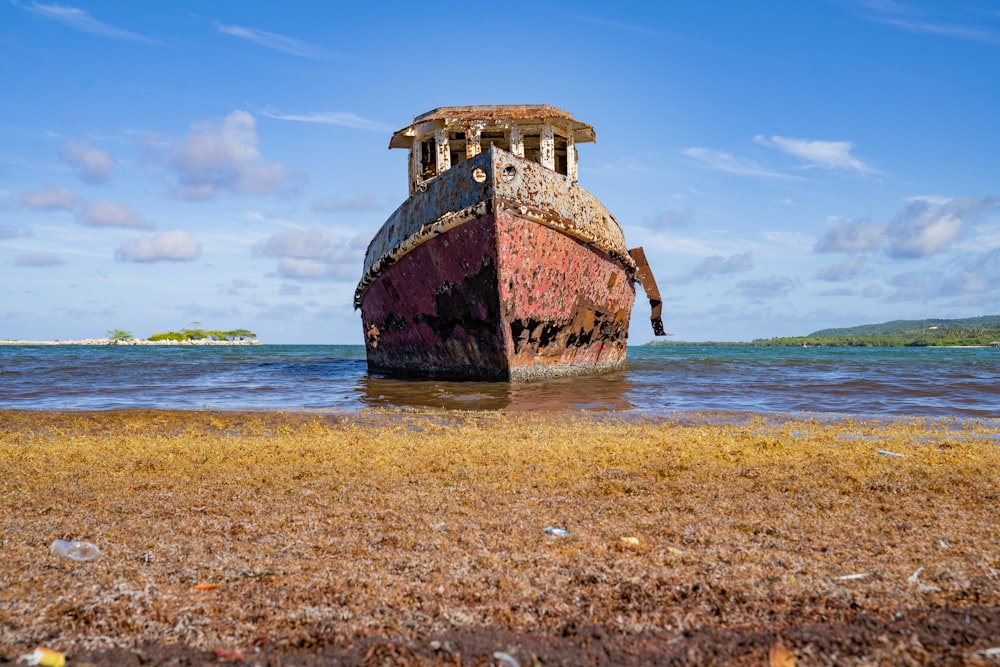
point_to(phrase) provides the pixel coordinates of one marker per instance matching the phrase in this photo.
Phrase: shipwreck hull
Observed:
(524, 301)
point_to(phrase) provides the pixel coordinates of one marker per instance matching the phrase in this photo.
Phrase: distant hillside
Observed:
(914, 326)
(897, 333)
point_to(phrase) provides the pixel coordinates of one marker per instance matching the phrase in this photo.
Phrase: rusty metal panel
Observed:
(503, 181)
(499, 297)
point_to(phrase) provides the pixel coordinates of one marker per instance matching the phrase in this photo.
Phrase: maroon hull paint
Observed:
(502, 298)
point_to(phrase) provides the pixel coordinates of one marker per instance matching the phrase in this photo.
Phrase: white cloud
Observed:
(274, 41)
(221, 157)
(852, 236)
(923, 228)
(172, 246)
(312, 254)
(342, 118)
(975, 274)
(38, 259)
(79, 19)
(92, 165)
(727, 162)
(111, 214)
(712, 267)
(50, 199)
(850, 269)
(827, 154)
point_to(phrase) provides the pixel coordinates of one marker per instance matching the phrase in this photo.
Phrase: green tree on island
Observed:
(120, 335)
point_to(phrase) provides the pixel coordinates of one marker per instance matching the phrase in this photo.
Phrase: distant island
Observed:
(189, 336)
(969, 332)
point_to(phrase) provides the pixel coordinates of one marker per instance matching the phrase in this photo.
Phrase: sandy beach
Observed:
(420, 538)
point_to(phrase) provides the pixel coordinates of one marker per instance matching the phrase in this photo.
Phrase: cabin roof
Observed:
(582, 132)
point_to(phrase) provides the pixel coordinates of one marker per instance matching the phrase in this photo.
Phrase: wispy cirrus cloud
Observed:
(272, 40)
(816, 153)
(353, 204)
(947, 20)
(79, 19)
(342, 118)
(38, 260)
(727, 162)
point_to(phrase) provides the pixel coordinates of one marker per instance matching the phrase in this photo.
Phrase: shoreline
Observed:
(108, 341)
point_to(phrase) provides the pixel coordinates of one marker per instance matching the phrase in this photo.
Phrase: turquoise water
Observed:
(656, 380)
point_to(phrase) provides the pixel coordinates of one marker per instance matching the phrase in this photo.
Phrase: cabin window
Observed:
(562, 161)
(428, 158)
(456, 146)
(498, 139)
(533, 147)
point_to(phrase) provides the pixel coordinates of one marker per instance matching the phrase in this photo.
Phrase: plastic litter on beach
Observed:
(993, 652)
(506, 659)
(44, 656)
(74, 550)
(630, 540)
(853, 577)
(886, 452)
(558, 532)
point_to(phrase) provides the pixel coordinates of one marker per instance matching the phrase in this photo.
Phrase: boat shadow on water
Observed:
(606, 391)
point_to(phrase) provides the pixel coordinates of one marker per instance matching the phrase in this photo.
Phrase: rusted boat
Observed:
(498, 266)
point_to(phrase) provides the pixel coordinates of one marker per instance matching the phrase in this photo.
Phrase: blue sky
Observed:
(787, 166)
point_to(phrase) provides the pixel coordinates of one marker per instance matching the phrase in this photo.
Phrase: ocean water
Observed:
(657, 380)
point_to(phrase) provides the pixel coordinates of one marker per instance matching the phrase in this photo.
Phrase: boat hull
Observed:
(499, 297)
(497, 269)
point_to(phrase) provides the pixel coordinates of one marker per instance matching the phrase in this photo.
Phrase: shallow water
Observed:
(656, 380)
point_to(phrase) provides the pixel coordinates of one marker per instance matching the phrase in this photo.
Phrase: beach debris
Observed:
(558, 532)
(993, 652)
(222, 654)
(923, 588)
(439, 646)
(779, 656)
(854, 577)
(74, 550)
(506, 659)
(206, 587)
(886, 452)
(44, 656)
(629, 540)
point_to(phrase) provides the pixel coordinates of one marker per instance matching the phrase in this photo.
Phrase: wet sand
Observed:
(418, 538)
